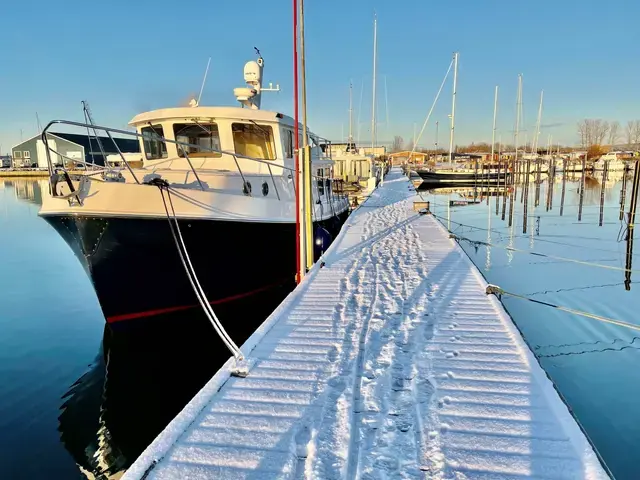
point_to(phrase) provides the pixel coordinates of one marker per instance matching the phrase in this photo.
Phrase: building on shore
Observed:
(406, 156)
(68, 147)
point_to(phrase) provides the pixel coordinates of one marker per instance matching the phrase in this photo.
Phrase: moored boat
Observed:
(217, 185)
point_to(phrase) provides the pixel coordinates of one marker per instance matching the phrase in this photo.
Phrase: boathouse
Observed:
(406, 156)
(32, 152)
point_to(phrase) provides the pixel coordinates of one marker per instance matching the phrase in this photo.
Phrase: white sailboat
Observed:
(612, 161)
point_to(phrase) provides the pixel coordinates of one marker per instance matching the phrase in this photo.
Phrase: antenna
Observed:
(204, 80)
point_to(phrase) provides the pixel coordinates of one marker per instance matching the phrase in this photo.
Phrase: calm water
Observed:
(76, 399)
(594, 364)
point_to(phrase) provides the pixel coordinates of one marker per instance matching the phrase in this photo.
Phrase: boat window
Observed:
(154, 146)
(255, 141)
(205, 135)
(288, 144)
(320, 182)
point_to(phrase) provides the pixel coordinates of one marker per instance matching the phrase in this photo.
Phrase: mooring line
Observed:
(544, 255)
(499, 292)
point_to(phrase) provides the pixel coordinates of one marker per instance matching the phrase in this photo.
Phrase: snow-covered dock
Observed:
(389, 362)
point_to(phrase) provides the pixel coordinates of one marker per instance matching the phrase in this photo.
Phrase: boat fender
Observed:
(322, 241)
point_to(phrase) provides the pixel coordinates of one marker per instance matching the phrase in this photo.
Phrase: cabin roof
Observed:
(202, 113)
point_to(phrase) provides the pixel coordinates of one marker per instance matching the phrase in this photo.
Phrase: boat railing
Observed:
(108, 170)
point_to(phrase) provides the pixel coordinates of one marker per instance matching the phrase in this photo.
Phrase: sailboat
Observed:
(454, 171)
(216, 190)
(352, 165)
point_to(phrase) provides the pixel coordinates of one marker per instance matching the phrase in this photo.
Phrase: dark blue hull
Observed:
(137, 274)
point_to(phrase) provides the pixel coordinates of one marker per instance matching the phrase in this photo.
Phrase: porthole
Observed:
(247, 188)
(265, 189)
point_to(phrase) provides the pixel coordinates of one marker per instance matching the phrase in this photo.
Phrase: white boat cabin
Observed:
(223, 138)
(218, 137)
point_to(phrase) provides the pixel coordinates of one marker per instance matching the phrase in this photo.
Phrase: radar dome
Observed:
(252, 72)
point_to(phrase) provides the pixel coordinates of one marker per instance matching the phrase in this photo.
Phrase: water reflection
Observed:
(26, 189)
(90, 422)
(141, 379)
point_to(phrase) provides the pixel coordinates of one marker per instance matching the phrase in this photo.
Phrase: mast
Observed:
(303, 78)
(437, 125)
(350, 140)
(306, 164)
(493, 134)
(518, 110)
(299, 239)
(373, 107)
(534, 147)
(386, 104)
(453, 105)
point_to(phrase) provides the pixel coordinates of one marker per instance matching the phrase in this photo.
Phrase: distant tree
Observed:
(614, 132)
(592, 132)
(594, 152)
(636, 133)
(397, 144)
(629, 131)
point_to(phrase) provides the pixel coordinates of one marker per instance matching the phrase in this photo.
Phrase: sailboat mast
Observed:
(495, 114)
(453, 105)
(534, 147)
(518, 107)
(350, 140)
(373, 106)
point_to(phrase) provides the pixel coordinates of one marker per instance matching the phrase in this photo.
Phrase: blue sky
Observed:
(129, 57)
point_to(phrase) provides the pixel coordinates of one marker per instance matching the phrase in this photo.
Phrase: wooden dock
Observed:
(391, 361)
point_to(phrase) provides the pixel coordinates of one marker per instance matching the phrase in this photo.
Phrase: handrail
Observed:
(182, 145)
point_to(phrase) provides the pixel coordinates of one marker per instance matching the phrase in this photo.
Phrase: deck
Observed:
(389, 362)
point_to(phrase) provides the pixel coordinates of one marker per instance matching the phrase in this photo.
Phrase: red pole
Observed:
(295, 133)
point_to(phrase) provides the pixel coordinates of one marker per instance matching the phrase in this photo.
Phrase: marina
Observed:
(601, 399)
(207, 273)
(369, 366)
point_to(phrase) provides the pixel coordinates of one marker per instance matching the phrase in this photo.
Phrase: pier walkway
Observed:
(388, 362)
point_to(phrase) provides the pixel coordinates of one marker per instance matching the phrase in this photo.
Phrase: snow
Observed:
(389, 362)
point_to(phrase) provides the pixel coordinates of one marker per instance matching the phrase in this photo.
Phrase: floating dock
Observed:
(390, 361)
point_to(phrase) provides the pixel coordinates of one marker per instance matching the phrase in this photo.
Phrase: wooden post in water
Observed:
(525, 209)
(550, 178)
(604, 181)
(498, 181)
(633, 203)
(582, 179)
(538, 180)
(623, 195)
(564, 185)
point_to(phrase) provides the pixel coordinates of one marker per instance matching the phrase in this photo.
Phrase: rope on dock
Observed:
(499, 292)
(544, 255)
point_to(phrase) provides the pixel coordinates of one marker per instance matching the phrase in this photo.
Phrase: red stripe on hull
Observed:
(160, 311)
